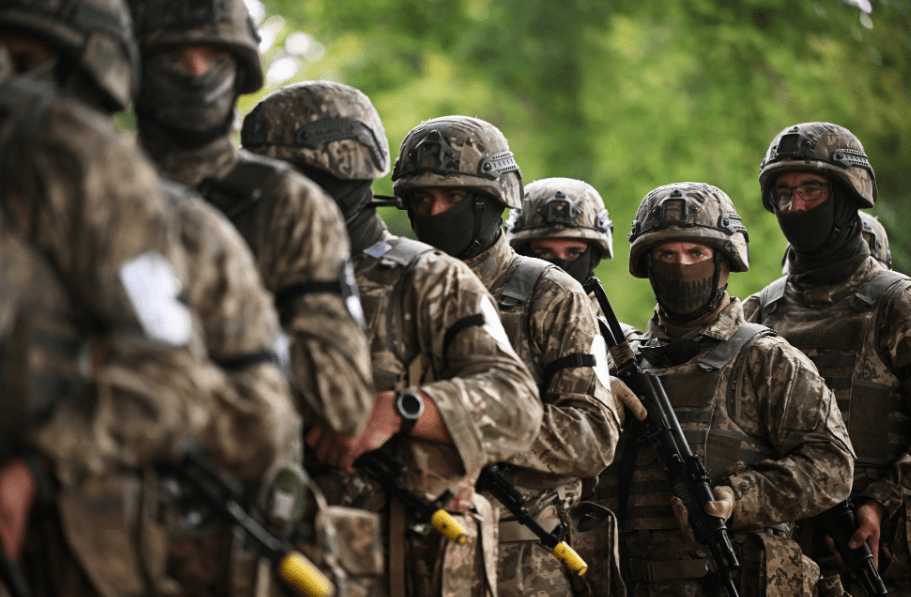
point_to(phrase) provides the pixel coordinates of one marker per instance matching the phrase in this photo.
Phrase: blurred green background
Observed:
(626, 95)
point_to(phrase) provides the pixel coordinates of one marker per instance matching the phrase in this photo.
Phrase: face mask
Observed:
(685, 292)
(808, 231)
(581, 267)
(197, 104)
(463, 230)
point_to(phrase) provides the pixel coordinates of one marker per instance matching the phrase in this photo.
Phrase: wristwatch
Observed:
(410, 406)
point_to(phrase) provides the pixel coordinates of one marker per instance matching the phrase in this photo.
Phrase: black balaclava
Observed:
(686, 299)
(827, 242)
(352, 197)
(192, 109)
(449, 233)
(580, 268)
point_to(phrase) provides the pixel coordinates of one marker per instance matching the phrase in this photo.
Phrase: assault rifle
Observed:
(389, 473)
(493, 481)
(840, 523)
(685, 470)
(223, 495)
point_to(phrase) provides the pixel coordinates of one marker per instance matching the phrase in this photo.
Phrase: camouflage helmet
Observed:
(823, 147)
(561, 208)
(320, 124)
(162, 25)
(877, 238)
(95, 35)
(690, 212)
(458, 151)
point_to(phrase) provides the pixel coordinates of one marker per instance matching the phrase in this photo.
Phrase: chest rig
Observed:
(842, 340)
(382, 272)
(706, 395)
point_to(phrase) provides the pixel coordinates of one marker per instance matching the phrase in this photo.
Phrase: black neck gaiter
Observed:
(465, 230)
(841, 249)
(686, 292)
(192, 109)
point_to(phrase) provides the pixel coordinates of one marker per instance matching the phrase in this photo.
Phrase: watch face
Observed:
(410, 404)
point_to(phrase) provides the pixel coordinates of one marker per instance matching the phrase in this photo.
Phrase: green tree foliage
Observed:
(632, 94)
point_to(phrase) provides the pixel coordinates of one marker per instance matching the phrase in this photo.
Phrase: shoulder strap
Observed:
(243, 185)
(770, 295)
(524, 279)
(877, 286)
(724, 351)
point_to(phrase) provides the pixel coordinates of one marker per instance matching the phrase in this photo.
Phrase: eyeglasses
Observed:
(810, 192)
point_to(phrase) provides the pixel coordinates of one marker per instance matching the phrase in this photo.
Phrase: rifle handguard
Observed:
(570, 558)
(302, 575)
(451, 528)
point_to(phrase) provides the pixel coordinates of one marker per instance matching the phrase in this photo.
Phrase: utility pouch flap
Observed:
(357, 537)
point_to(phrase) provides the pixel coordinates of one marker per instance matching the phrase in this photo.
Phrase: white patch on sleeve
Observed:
(153, 290)
(602, 361)
(493, 325)
(281, 348)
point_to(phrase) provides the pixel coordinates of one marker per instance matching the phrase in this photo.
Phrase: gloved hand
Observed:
(624, 397)
(722, 507)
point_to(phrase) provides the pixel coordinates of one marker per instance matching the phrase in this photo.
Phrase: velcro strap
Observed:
(243, 361)
(570, 361)
(469, 321)
(293, 291)
(649, 571)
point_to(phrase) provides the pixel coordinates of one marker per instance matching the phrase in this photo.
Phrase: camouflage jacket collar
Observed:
(721, 327)
(191, 166)
(813, 295)
(492, 263)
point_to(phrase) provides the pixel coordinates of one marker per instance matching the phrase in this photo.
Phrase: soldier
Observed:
(83, 198)
(197, 58)
(455, 176)
(770, 432)
(564, 221)
(223, 285)
(850, 315)
(433, 330)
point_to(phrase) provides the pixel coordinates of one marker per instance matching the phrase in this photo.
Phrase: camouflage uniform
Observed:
(432, 326)
(83, 196)
(751, 404)
(549, 321)
(293, 229)
(857, 331)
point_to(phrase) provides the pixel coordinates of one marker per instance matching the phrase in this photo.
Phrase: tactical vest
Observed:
(381, 293)
(512, 292)
(706, 399)
(843, 341)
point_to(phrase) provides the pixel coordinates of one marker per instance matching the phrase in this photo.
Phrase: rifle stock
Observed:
(685, 470)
